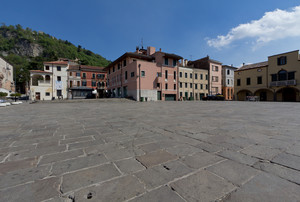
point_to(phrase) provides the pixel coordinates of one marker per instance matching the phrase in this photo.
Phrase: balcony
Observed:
(44, 83)
(283, 83)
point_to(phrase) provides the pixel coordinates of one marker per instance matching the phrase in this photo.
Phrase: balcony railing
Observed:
(283, 83)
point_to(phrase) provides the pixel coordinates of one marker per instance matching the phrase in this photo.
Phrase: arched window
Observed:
(282, 75)
(47, 78)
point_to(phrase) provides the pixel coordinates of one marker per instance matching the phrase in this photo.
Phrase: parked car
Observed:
(214, 97)
(24, 98)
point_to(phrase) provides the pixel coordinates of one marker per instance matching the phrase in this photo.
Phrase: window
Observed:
(47, 94)
(281, 60)
(124, 63)
(83, 83)
(228, 81)
(93, 83)
(216, 68)
(248, 81)
(206, 77)
(174, 62)
(291, 75)
(201, 76)
(109, 71)
(119, 66)
(58, 92)
(158, 85)
(166, 61)
(228, 72)
(185, 85)
(47, 68)
(78, 74)
(100, 76)
(113, 68)
(174, 86)
(70, 74)
(215, 79)
(238, 82)
(191, 94)
(94, 76)
(125, 75)
(180, 94)
(174, 75)
(191, 85)
(58, 68)
(191, 75)
(282, 75)
(78, 83)
(274, 77)
(180, 84)
(83, 75)
(185, 75)
(259, 80)
(132, 74)
(166, 86)
(180, 74)
(206, 86)
(196, 76)
(201, 86)
(196, 86)
(59, 78)
(166, 74)
(143, 73)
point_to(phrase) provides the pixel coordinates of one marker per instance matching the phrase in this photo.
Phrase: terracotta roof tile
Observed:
(253, 66)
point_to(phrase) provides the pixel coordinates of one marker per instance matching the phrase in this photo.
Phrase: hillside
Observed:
(28, 49)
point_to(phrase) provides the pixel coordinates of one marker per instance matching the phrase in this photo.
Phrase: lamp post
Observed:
(16, 82)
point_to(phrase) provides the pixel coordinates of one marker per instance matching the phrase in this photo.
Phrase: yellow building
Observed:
(193, 83)
(273, 80)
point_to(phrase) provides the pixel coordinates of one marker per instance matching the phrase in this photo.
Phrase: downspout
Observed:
(52, 83)
(140, 82)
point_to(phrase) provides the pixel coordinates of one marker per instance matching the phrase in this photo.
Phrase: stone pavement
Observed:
(151, 151)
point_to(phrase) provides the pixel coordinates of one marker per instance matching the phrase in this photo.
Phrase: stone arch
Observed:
(36, 78)
(47, 78)
(288, 94)
(264, 94)
(242, 94)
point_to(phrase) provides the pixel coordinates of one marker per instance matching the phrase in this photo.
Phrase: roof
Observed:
(171, 55)
(57, 62)
(40, 71)
(87, 68)
(206, 59)
(229, 66)
(253, 66)
(132, 55)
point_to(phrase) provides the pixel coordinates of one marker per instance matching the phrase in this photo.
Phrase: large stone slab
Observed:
(78, 163)
(200, 160)
(162, 194)
(281, 171)
(266, 187)
(61, 156)
(155, 158)
(262, 152)
(234, 172)
(10, 166)
(36, 191)
(129, 165)
(238, 157)
(202, 186)
(120, 189)
(90, 176)
(288, 160)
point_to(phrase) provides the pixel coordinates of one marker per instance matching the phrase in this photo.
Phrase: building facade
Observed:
(144, 74)
(193, 83)
(214, 69)
(6, 77)
(273, 80)
(83, 80)
(51, 83)
(228, 82)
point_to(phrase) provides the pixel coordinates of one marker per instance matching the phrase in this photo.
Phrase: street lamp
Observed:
(16, 82)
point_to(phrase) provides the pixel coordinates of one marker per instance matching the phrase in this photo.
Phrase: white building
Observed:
(52, 83)
(6, 76)
(228, 81)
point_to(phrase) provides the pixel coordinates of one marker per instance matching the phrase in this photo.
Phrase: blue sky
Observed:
(232, 31)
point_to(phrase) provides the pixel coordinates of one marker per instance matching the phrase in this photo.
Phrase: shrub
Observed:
(2, 94)
(15, 94)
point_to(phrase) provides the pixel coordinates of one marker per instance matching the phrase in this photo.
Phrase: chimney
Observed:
(243, 64)
(150, 50)
(137, 49)
(160, 50)
(185, 62)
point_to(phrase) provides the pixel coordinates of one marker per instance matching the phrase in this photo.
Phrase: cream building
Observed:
(273, 80)
(6, 76)
(193, 83)
(51, 83)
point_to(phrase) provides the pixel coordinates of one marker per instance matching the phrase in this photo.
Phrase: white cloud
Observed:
(273, 25)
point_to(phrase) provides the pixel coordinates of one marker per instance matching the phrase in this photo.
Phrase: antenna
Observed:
(142, 43)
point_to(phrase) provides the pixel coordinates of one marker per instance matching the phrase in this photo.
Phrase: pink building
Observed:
(144, 74)
(214, 73)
